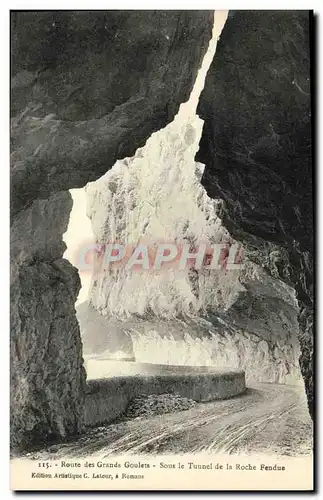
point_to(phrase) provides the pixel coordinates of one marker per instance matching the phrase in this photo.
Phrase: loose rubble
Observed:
(157, 404)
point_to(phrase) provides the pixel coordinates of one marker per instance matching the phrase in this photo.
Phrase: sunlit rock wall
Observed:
(131, 206)
(157, 316)
(265, 355)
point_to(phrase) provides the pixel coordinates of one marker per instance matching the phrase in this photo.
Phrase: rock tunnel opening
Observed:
(141, 321)
(104, 318)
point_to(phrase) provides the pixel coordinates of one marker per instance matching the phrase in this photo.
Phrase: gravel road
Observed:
(268, 418)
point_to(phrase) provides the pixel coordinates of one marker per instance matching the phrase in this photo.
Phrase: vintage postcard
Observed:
(162, 250)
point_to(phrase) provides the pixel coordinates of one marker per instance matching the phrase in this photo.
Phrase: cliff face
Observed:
(242, 319)
(88, 88)
(131, 206)
(256, 145)
(47, 375)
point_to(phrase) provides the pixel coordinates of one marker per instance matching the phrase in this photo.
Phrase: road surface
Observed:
(268, 418)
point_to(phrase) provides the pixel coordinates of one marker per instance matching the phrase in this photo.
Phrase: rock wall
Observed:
(251, 317)
(256, 146)
(47, 375)
(88, 88)
(157, 316)
(107, 399)
(265, 348)
(130, 206)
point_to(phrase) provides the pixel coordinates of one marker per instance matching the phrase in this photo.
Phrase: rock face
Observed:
(265, 347)
(131, 206)
(47, 374)
(87, 88)
(242, 319)
(256, 146)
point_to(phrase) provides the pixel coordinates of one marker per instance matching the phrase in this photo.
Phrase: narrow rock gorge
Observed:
(239, 319)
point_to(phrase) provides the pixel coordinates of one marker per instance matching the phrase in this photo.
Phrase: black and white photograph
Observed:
(162, 250)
